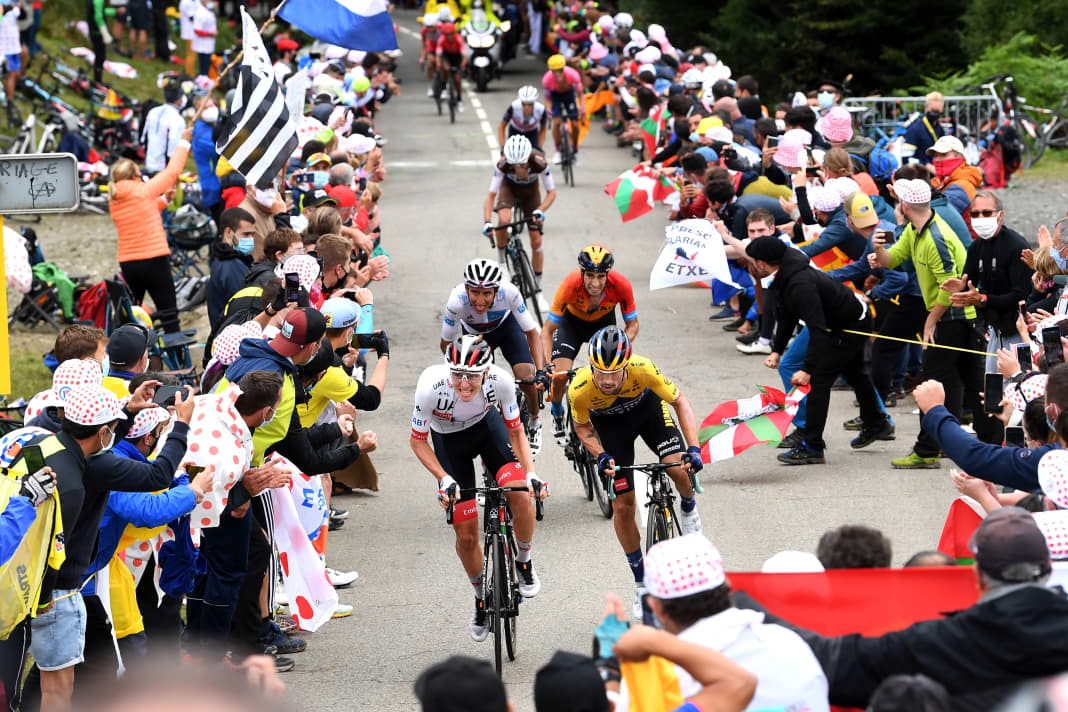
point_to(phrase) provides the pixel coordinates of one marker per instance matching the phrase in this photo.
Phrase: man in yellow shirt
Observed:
(127, 357)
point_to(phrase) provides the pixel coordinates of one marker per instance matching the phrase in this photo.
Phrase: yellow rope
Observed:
(915, 341)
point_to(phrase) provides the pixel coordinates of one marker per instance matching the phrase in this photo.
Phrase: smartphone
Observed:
(1014, 436)
(194, 470)
(315, 55)
(812, 171)
(302, 178)
(292, 286)
(992, 393)
(648, 617)
(1023, 357)
(31, 455)
(773, 141)
(164, 395)
(1051, 344)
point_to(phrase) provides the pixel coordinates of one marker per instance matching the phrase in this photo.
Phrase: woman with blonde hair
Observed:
(144, 255)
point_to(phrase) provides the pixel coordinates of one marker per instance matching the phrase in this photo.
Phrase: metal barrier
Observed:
(879, 116)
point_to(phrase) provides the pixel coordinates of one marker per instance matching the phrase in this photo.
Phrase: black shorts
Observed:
(651, 420)
(452, 59)
(510, 339)
(571, 333)
(140, 15)
(532, 135)
(488, 439)
(525, 195)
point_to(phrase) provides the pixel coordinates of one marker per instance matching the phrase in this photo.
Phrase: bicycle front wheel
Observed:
(530, 291)
(600, 485)
(452, 101)
(511, 603)
(497, 584)
(659, 526)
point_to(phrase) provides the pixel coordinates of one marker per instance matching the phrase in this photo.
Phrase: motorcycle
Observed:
(482, 37)
(511, 28)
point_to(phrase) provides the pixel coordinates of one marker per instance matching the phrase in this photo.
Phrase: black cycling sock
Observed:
(637, 565)
(688, 504)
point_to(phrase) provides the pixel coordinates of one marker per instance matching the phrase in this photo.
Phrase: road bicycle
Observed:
(518, 261)
(500, 581)
(662, 523)
(27, 140)
(453, 94)
(524, 411)
(1037, 128)
(593, 483)
(567, 155)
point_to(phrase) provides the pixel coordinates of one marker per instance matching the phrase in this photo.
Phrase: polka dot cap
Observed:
(824, 199)
(92, 405)
(844, 186)
(1053, 476)
(1028, 390)
(227, 344)
(146, 421)
(1054, 526)
(683, 566)
(836, 125)
(73, 373)
(306, 267)
(1048, 322)
(799, 136)
(913, 192)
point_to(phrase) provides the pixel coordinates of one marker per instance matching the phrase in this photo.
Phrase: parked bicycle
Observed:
(518, 261)
(500, 581)
(662, 523)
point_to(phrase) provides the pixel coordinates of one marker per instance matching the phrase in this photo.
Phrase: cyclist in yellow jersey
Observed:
(616, 399)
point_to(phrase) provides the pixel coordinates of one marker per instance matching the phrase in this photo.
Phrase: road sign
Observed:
(38, 183)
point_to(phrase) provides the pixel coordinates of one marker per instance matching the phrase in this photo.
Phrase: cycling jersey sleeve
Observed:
(504, 390)
(495, 182)
(507, 115)
(424, 406)
(450, 324)
(556, 311)
(659, 384)
(580, 405)
(547, 179)
(627, 305)
(518, 307)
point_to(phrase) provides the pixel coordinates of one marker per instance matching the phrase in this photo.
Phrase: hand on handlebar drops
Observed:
(606, 464)
(487, 228)
(692, 457)
(448, 491)
(532, 478)
(539, 216)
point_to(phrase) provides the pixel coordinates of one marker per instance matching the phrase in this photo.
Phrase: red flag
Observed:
(868, 601)
(963, 519)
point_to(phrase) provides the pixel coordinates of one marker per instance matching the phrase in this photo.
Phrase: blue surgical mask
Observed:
(245, 245)
(1062, 263)
(320, 179)
(826, 99)
(695, 137)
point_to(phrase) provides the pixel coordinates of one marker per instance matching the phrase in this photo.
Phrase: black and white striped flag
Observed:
(259, 134)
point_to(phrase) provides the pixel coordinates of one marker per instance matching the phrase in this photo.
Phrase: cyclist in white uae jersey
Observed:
(525, 116)
(467, 408)
(482, 304)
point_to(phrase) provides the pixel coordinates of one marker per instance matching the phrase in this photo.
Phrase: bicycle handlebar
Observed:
(539, 514)
(652, 467)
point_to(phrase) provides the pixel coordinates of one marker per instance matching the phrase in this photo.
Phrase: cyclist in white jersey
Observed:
(525, 116)
(467, 408)
(482, 304)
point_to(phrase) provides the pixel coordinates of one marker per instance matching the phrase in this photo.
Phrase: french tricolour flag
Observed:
(353, 24)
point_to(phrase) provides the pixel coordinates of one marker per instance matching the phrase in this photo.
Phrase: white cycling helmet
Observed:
(468, 354)
(528, 94)
(624, 20)
(445, 14)
(517, 150)
(430, 19)
(482, 274)
(692, 78)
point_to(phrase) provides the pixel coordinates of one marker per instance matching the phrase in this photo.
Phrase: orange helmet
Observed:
(448, 28)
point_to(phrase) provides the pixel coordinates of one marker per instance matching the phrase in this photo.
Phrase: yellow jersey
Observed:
(642, 376)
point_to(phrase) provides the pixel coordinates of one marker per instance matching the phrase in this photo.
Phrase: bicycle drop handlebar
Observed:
(654, 467)
(539, 504)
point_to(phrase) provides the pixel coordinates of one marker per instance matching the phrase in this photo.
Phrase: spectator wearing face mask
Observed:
(953, 176)
(231, 257)
(265, 206)
(925, 131)
(828, 96)
(995, 279)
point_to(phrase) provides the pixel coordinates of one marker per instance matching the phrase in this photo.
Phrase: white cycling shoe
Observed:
(691, 522)
(534, 438)
(478, 627)
(639, 591)
(529, 583)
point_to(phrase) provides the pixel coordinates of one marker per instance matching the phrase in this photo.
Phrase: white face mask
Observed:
(210, 115)
(265, 197)
(111, 441)
(985, 228)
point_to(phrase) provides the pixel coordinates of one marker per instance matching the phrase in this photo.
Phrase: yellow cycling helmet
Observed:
(595, 258)
(556, 62)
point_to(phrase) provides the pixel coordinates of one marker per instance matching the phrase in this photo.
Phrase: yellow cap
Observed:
(860, 210)
(707, 123)
(556, 62)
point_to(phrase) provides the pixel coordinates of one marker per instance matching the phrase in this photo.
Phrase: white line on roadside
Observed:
(463, 163)
(486, 128)
(410, 33)
(480, 113)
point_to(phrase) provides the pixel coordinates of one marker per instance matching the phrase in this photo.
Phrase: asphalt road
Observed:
(412, 600)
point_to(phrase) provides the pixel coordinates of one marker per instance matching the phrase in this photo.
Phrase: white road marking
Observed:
(463, 163)
(410, 33)
(480, 113)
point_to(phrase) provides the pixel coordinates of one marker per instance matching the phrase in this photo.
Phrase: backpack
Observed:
(93, 305)
(880, 163)
(1011, 148)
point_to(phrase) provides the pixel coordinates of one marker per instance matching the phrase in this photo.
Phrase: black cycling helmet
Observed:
(596, 258)
(609, 349)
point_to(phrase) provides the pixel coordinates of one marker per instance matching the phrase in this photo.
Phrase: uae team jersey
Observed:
(438, 408)
(573, 297)
(519, 121)
(459, 312)
(642, 377)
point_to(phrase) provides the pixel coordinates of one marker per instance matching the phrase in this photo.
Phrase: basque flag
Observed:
(353, 24)
(258, 136)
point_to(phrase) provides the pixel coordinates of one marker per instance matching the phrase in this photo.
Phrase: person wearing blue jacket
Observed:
(1010, 466)
(207, 158)
(826, 204)
(231, 259)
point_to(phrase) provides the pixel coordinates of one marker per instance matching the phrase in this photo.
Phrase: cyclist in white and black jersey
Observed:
(526, 116)
(467, 408)
(482, 304)
(515, 182)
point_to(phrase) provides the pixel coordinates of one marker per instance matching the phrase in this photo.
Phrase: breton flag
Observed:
(353, 24)
(259, 135)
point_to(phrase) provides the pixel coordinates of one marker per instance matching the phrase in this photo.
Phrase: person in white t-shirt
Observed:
(163, 129)
(204, 32)
(186, 10)
(690, 596)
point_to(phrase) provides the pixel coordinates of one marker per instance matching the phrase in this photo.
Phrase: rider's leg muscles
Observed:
(560, 368)
(537, 258)
(467, 546)
(504, 216)
(556, 132)
(623, 508)
(525, 372)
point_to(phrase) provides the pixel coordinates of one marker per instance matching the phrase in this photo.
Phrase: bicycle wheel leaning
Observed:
(509, 626)
(496, 584)
(530, 291)
(659, 527)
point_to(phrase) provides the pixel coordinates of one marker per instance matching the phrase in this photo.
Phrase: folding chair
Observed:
(189, 231)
